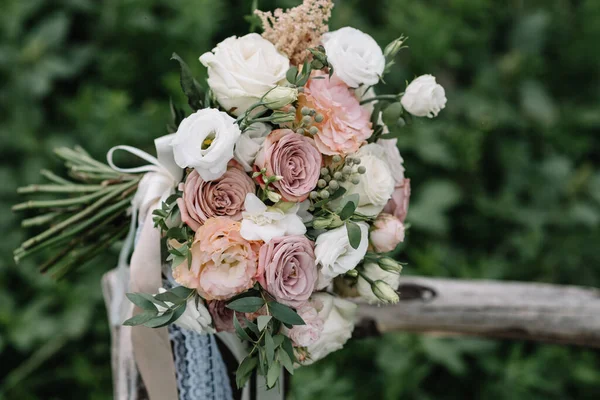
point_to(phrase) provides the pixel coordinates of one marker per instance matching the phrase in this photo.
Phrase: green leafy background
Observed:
(506, 181)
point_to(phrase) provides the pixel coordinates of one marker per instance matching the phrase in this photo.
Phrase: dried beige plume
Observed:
(297, 29)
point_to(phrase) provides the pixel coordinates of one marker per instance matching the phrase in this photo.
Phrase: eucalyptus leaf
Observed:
(262, 321)
(140, 318)
(160, 320)
(285, 360)
(244, 371)
(273, 374)
(269, 347)
(285, 314)
(239, 330)
(191, 88)
(246, 304)
(141, 301)
(347, 210)
(181, 291)
(354, 234)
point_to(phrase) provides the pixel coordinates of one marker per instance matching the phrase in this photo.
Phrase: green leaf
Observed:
(141, 301)
(191, 88)
(289, 348)
(170, 297)
(285, 360)
(285, 314)
(161, 320)
(244, 371)
(252, 326)
(354, 234)
(269, 347)
(278, 340)
(181, 291)
(151, 298)
(262, 321)
(246, 304)
(273, 374)
(140, 318)
(337, 194)
(291, 74)
(347, 211)
(239, 330)
(177, 234)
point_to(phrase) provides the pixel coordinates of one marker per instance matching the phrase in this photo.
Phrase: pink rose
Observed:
(387, 232)
(346, 125)
(223, 262)
(293, 157)
(398, 204)
(289, 268)
(223, 196)
(221, 315)
(310, 332)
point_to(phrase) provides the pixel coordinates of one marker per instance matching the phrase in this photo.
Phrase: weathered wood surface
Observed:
(532, 311)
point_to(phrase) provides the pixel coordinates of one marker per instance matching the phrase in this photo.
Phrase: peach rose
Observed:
(223, 263)
(293, 157)
(398, 204)
(346, 125)
(223, 196)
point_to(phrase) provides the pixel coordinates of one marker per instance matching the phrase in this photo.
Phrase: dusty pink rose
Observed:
(310, 332)
(398, 204)
(346, 125)
(287, 269)
(223, 263)
(221, 315)
(387, 232)
(295, 158)
(221, 197)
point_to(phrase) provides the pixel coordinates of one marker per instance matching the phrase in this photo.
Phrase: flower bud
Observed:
(279, 117)
(274, 197)
(322, 222)
(393, 48)
(279, 97)
(384, 292)
(424, 97)
(389, 264)
(353, 273)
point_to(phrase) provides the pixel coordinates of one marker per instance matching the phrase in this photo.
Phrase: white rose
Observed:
(375, 273)
(376, 185)
(355, 56)
(250, 143)
(424, 97)
(265, 223)
(394, 159)
(241, 70)
(194, 318)
(338, 315)
(205, 141)
(335, 255)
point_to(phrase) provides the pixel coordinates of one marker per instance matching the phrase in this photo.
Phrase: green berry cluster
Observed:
(309, 116)
(338, 172)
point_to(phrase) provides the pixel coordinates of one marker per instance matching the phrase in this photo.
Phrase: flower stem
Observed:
(54, 178)
(59, 189)
(380, 97)
(39, 220)
(60, 203)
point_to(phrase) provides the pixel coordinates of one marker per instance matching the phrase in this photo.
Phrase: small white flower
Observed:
(335, 255)
(205, 141)
(375, 273)
(355, 56)
(394, 159)
(338, 316)
(249, 144)
(424, 97)
(241, 70)
(265, 223)
(376, 185)
(194, 318)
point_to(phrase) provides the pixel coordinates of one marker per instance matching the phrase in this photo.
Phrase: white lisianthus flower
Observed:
(205, 141)
(375, 273)
(335, 256)
(242, 70)
(355, 56)
(394, 159)
(265, 223)
(338, 316)
(249, 144)
(376, 185)
(194, 318)
(424, 97)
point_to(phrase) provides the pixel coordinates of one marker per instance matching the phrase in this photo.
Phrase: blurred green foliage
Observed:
(506, 182)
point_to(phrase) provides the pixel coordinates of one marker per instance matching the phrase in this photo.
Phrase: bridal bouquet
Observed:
(278, 196)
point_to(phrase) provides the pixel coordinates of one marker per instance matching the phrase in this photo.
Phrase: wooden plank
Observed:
(531, 311)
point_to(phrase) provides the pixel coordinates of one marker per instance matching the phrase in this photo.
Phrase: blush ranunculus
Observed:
(223, 196)
(398, 204)
(310, 332)
(295, 158)
(223, 262)
(346, 125)
(287, 269)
